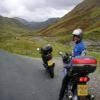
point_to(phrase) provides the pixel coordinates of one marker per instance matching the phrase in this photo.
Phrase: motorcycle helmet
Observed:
(78, 33)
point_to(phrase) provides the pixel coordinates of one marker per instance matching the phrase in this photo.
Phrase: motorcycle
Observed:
(48, 63)
(78, 87)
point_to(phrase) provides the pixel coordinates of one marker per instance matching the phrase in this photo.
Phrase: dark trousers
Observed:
(64, 86)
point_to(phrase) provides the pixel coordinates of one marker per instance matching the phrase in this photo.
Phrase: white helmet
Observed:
(77, 32)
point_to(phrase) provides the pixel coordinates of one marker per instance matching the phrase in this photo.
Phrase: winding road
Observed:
(24, 78)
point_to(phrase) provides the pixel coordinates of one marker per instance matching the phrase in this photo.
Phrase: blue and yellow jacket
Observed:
(79, 49)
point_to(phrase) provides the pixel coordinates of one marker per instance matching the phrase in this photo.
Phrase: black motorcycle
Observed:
(46, 54)
(81, 67)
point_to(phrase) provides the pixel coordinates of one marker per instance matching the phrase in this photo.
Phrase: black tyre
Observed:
(51, 71)
(90, 97)
(82, 98)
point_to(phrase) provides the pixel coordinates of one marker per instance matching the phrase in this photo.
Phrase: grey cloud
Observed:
(36, 10)
(56, 4)
(62, 4)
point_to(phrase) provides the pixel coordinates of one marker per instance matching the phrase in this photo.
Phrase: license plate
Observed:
(50, 63)
(82, 90)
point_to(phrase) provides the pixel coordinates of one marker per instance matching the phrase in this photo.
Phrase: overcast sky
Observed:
(36, 10)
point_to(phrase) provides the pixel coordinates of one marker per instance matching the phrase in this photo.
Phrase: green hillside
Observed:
(11, 28)
(86, 15)
(15, 37)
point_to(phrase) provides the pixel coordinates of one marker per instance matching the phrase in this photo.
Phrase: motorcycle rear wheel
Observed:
(77, 98)
(51, 72)
(83, 98)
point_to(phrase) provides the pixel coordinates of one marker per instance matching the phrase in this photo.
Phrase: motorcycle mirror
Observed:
(38, 49)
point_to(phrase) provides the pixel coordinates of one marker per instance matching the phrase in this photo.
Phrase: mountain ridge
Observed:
(37, 25)
(84, 15)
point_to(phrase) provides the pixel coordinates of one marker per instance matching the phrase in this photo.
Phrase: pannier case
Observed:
(87, 64)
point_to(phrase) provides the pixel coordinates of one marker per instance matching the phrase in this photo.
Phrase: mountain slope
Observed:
(11, 28)
(37, 25)
(86, 15)
(10, 22)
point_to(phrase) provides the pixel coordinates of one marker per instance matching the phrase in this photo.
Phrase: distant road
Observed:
(24, 78)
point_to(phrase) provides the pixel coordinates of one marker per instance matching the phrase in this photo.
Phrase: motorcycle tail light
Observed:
(84, 79)
(81, 79)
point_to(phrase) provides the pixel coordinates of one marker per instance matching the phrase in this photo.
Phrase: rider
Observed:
(79, 50)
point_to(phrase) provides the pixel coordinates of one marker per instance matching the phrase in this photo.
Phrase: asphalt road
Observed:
(24, 78)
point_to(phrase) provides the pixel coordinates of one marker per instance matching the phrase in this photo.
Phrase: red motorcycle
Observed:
(78, 88)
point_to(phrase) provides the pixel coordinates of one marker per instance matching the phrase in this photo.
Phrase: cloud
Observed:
(36, 10)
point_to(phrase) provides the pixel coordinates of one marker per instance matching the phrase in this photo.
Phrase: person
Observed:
(79, 50)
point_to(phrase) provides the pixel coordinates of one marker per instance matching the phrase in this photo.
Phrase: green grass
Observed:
(95, 12)
(20, 46)
(23, 42)
(19, 40)
(28, 46)
(95, 54)
(93, 34)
